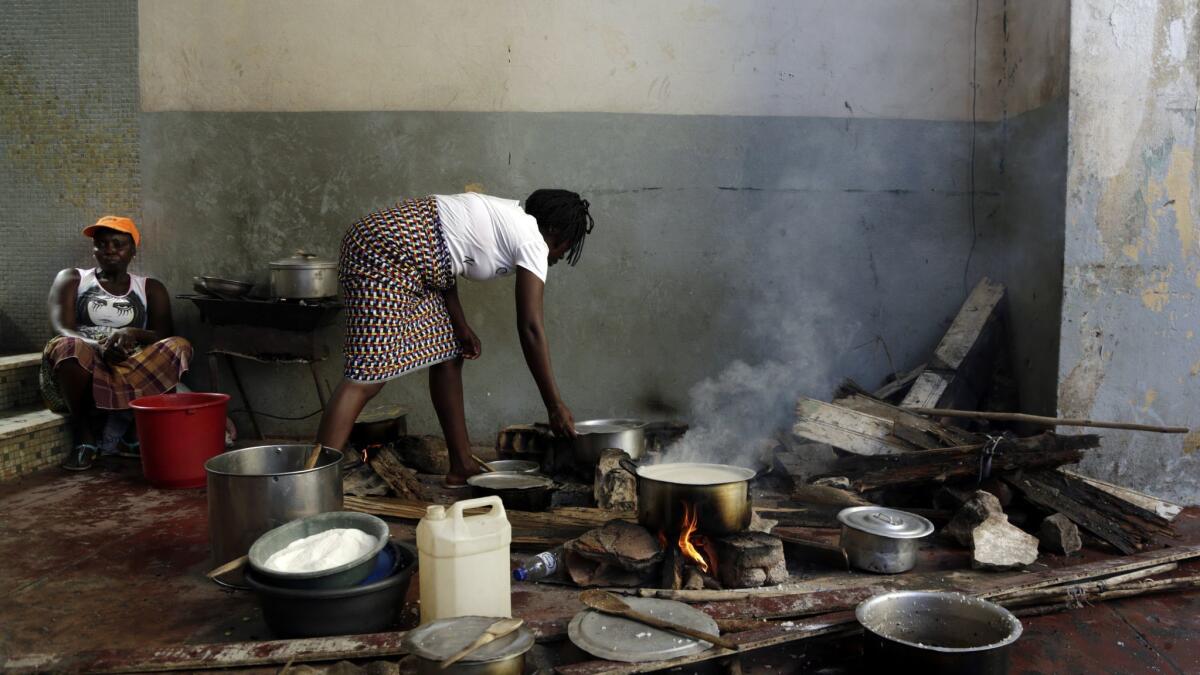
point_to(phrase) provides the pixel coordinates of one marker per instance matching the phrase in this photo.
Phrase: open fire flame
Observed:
(692, 543)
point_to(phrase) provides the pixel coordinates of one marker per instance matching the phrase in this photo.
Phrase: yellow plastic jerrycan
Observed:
(464, 563)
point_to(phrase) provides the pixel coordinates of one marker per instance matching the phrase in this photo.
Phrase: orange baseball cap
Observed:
(118, 223)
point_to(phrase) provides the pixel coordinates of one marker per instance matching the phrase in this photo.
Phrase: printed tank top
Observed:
(98, 313)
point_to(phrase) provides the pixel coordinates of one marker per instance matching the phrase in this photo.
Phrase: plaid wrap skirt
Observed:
(153, 369)
(393, 267)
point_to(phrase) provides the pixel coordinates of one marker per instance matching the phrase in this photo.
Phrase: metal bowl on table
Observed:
(340, 576)
(224, 288)
(937, 632)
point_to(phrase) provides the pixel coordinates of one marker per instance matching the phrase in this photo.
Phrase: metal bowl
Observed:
(370, 608)
(518, 491)
(937, 632)
(514, 466)
(225, 288)
(342, 576)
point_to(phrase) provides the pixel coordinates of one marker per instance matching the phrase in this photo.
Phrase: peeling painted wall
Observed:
(1128, 347)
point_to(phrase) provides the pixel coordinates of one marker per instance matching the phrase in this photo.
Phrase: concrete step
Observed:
(19, 380)
(31, 438)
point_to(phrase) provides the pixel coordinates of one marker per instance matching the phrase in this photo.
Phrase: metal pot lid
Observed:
(509, 481)
(608, 426)
(619, 639)
(885, 522)
(441, 639)
(304, 261)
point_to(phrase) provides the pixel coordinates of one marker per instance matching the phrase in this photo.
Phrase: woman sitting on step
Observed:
(116, 342)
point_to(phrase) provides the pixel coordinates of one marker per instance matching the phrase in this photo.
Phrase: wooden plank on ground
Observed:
(846, 429)
(564, 517)
(1165, 509)
(211, 656)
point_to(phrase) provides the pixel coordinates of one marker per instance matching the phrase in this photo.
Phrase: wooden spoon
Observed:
(312, 457)
(236, 563)
(482, 464)
(493, 632)
(606, 602)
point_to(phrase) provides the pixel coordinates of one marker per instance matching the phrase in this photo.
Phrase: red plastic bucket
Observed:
(178, 433)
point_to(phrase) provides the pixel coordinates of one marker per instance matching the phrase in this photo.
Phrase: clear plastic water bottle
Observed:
(545, 565)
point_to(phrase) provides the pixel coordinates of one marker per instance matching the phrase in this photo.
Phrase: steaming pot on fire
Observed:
(716, 496)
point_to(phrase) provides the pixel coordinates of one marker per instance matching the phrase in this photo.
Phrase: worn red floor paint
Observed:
(101, 560)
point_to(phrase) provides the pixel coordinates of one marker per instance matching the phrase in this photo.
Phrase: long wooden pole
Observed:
(1046, 421)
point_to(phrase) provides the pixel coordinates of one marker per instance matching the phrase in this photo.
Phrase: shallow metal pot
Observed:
(880, 551)
(723, 508)
(514, 466)
(934, 632)
(303, 276)
(518, 491)
(253, 490)
(432, 642)
(596, 436)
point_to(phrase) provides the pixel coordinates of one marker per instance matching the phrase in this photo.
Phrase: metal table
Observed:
(268, 331)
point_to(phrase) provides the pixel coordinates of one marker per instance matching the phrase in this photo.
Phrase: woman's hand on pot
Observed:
(562, 422)
(469, 342)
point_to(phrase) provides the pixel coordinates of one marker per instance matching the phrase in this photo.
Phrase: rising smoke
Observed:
(732, 412)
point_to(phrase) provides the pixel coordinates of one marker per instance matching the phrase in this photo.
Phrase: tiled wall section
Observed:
(26, 453)
(19, 388)
(68, 144)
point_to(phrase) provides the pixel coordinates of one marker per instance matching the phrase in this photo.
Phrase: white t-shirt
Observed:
(489, 237)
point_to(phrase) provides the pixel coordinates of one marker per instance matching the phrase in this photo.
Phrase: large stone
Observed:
(1059, 535)
(426, 454)
(615, 489)
(977, 509)
(750, 559)
(999, 545)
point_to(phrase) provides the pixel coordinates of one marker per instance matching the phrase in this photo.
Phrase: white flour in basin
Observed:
(322, 551)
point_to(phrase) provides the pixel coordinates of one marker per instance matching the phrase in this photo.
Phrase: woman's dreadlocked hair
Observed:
(563, 214)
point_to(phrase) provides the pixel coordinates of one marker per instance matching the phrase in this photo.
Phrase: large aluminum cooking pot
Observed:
(596, 436)
(882, 540)
(935, 632)
(253, 490)
(303, 276)
(720, 494)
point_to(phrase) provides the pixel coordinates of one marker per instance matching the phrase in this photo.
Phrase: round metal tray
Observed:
(619, 639)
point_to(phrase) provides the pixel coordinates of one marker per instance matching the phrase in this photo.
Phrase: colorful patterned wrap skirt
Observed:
(153, 369)
(393, 268)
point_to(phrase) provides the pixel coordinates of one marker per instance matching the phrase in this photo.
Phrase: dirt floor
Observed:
(102, 561)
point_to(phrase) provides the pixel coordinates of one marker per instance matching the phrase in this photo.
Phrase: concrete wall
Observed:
(784, 186)
(68, 145)
(1025, 250)
(1129, 348)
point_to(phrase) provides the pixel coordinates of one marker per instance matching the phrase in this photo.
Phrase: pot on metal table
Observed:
(303, 276)
(719, 494)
